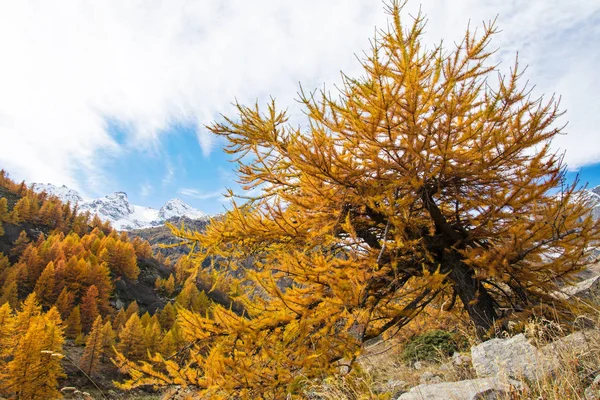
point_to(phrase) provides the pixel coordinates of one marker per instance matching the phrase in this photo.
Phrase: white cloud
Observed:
(146, 189)
(68, 66)
(169, 173)
(557, 40)
(200, 195)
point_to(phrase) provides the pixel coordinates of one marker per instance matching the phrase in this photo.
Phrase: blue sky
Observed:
(176, 167)
(588, 176)
(113, 95)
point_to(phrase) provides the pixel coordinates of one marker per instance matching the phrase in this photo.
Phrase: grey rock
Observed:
(119, 304)
(591, 393)
(587, 290)
(576, 343)
(418, 365)
(460, 360)
(395, 387)
(513, 357)
(430, 377)
(473, 389)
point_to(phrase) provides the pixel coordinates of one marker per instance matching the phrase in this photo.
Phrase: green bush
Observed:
(430, 346)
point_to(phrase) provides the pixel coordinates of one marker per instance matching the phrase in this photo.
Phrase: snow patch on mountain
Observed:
(595, 197)
(177, 208)
(117, 209)
(114, 206)
(62, 192)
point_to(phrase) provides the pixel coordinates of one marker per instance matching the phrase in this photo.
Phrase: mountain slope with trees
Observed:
(72, 288)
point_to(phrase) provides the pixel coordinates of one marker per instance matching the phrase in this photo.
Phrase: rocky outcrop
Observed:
(575, 344)
(514, 357)
(503, 365)
(587, 290)
(473, 389)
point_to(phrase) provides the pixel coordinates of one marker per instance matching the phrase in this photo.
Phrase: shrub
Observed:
(430, 346)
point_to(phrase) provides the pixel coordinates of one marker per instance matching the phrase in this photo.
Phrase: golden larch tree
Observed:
(120, 319)
(131, 339)
(120, 257)
(28, 311)
(152, 337)
(168, 345)
(44, 286)
(108, 341)
(64, 302)
(132, 308)
(3, 209)
(20, 244)
(89, 308)
(170, 285)
(74, 323)
(3, 214)
(35, 367)
(428, 180)
(146, 319)
(92, 354)
(6, 337)
(167, 316)
(9, 291)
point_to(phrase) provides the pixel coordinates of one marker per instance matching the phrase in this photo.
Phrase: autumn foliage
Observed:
(62, 266)
(94, 348)
(427, 181)
(56, 283)
(30, 351)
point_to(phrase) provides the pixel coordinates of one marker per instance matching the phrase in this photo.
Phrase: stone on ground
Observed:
(474, 389)
(514, 357)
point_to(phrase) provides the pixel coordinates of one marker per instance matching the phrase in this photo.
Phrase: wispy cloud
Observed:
(169, 174)
(68, 67)
(200, 195)
(146, 189)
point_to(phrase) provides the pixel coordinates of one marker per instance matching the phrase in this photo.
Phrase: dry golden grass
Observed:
(575, 366)
(380, 370)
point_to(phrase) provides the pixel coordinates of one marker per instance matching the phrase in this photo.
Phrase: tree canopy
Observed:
(430, 178)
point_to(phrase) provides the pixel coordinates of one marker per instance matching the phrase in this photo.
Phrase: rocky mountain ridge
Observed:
(595, 195)
(117, 209)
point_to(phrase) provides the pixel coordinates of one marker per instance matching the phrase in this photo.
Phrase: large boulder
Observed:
(587, 290)
(514, 357)
(577, 343)
(474, 389)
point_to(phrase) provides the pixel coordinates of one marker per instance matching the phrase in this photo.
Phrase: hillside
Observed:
(75, 271)
(161, 235)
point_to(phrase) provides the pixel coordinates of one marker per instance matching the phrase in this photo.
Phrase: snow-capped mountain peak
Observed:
(178, 208)
(595, 197)
(117, 209)
(62, 192)
(114, 206)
